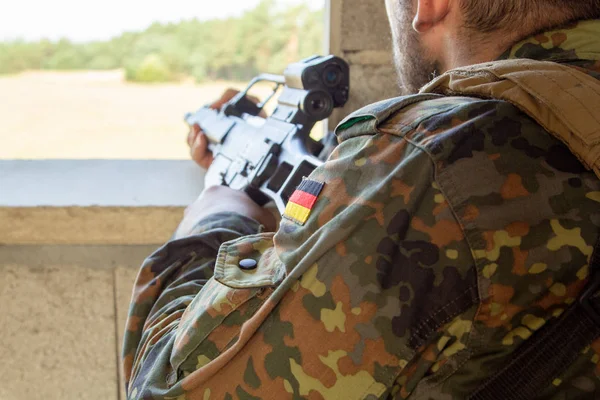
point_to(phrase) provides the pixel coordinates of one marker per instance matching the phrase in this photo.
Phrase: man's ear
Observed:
(429, 13)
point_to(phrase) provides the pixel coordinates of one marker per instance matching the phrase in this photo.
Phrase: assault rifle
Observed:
(268, 157)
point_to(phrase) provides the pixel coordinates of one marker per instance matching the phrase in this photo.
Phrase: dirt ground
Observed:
(90, 114)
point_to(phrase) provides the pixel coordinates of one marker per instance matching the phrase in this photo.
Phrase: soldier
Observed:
(444, 251)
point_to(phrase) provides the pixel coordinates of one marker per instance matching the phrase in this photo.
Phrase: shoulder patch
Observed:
(303, 200)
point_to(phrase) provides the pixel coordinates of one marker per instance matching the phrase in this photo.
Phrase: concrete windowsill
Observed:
(94, 202)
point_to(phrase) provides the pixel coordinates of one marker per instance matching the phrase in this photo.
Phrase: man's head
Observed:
(432, 36)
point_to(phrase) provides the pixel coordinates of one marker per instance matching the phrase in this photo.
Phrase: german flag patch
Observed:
(303, 200)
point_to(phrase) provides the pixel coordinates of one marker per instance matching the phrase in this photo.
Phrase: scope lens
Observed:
(332, 76)
(313, 78)
(318, 105)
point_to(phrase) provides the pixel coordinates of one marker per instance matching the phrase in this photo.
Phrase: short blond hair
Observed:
(492, 15)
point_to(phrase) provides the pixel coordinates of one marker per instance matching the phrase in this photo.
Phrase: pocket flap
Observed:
(249, 262)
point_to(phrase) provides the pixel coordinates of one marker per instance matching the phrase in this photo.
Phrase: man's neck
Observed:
(475, 49)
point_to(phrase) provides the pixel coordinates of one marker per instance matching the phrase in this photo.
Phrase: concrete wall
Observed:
(72, 237)
(62, 315)
(359, 33)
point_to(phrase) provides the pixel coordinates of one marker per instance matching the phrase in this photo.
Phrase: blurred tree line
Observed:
(264, 39)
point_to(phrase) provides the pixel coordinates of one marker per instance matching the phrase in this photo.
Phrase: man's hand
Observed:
(218, 199)
(197, 140)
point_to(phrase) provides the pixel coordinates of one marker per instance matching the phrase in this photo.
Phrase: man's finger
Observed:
(200, 153)
(192, 134)
(225, 97)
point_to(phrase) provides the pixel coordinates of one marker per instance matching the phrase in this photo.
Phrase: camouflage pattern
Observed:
(449, 230)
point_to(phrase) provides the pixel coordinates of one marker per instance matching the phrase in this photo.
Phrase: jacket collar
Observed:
(577, 45)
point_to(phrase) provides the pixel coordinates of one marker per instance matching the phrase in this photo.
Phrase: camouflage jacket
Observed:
(447, 231)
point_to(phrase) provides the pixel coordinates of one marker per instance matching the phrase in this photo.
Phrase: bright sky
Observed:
(83, 20)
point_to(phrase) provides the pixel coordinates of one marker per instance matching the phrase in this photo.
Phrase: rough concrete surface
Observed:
(94, 201)
(364, 25)
(52, 281)
(97, 257)
(360, 33)
(370, 57)
(88, 225)
(57, 333)
(106, 183)
(370, 83)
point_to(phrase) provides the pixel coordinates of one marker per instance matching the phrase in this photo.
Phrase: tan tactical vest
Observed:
(562, 99)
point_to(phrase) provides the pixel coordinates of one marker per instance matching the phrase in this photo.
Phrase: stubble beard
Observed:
(413, 69)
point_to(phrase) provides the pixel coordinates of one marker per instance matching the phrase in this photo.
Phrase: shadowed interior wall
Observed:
(359, 32)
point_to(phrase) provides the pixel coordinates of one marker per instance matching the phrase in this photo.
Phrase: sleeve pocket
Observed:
(213, 320)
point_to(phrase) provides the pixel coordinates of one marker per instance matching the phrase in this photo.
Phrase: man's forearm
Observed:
(171, 278)
(221, 199)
